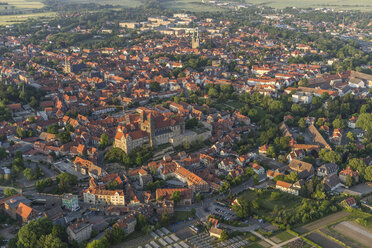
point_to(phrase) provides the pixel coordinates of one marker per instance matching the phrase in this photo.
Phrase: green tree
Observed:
(224, 235)
(349, 181)
(155, 86)
(9, 192)
(164, 218)
(350, 136)
(176, 196)
(365, 122)
(64, 137)
(368, 173)
(339, 123)
(302, 124)
(243, 208)
(101, 243)
(105, 141)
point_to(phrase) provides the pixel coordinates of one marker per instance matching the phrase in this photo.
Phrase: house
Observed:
(258, 169)
(128, 223)
(327, 169)
(272, 174)
(348, 172)
(70, 202)
(100, 196)
(263, 150)
(286, 187)
(166, 194)
(351, 123)
(215, 232)
(331, 182)
(79, 230)
(26, 213)
(349, 202)
(303, 169)
(10, 204)
(161, 206)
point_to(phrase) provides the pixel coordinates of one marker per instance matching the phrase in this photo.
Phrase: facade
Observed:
(79, 230)
(286, 187)
(70, 202)
(166, 194)
(128, 223)
(107, 197)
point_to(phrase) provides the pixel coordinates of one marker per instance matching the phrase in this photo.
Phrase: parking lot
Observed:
(222, 211)
(66, 166)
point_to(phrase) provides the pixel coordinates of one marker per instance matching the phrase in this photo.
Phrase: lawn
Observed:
(180, 216)
(363, 5)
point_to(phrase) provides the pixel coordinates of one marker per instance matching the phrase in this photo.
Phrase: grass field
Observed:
(281, 237)
(363, 5)
(12, 19)
(330, 219)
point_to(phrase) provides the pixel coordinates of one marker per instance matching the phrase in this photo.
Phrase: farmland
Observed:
(363, 5)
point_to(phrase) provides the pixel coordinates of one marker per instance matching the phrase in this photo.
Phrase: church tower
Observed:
(67, 68)
(195, 42)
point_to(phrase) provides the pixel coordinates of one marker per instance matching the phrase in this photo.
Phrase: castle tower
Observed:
(195, 42)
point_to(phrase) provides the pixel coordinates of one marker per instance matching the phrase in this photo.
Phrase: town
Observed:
(150, 127)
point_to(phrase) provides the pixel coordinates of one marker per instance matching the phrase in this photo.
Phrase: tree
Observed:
(105, 141)
(101, 243)
(176, 196)
(339, 123)
(359, 165)
(66, 180)
(349, 181)
(224, 235)
(243, 208)
(115, 235)
(3, 153)
(365, 122)
(47, 241)
(330, 156)
(255, 179)
(350, 136)
(274, 196)
(64, 137)
(302, 124)
(368, 173)
(193, 212)
(164, 218)
(141, 222)
(39, 233)
(155, 86)
(52, 129)
(271, 151)
(9, 192)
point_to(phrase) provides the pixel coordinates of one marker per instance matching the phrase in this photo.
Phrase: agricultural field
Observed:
(10, 6)
(362, 5)
(12, 19)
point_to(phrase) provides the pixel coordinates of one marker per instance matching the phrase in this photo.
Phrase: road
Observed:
(206, 203)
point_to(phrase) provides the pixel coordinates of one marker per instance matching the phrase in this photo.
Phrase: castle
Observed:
(148, 128)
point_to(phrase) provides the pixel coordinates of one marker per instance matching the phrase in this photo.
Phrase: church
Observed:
(147, 128)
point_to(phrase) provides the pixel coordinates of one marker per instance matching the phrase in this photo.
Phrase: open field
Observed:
(323, 241)
(124, 3)
(363, 5)
(11, 19)
(322, 222)
(281, 237)
(19, 6)
(355, 232)
(23, 4)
